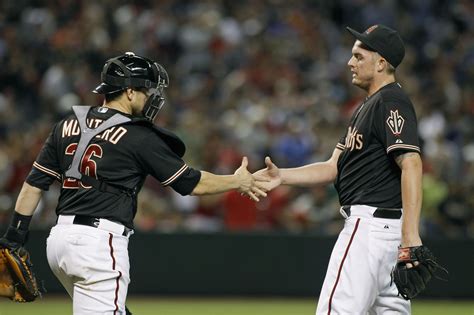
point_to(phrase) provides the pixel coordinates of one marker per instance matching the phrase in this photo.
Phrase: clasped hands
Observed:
(257, 185)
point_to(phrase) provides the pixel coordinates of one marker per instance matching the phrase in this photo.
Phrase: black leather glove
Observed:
(412, 281)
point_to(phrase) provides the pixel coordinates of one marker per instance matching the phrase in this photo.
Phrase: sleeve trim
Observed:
(47, 170)
(175, 176)
(340, 146)
(403, 147)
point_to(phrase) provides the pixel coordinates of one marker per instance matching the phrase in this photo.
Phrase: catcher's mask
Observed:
(140, 73)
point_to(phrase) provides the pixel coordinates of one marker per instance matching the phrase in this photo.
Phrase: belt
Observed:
(384, 213)
(99, 223)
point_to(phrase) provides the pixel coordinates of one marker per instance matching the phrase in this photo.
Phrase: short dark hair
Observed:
(364, 46)
(113, 96)
(390, 68)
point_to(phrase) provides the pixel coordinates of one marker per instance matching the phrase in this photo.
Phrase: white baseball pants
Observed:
(358, 276)
(92, 264)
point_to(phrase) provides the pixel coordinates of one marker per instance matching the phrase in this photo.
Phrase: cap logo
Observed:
(370, 29)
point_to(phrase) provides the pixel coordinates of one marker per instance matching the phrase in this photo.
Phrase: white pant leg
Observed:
(348, 287)
(363, 285)
(386, 234)
(55, 255)
(94, 263)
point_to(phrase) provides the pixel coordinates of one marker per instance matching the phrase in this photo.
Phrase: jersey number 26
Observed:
(87, 166)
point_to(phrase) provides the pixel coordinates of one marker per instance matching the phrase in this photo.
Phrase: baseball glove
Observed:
(411, 281)
(17, 279)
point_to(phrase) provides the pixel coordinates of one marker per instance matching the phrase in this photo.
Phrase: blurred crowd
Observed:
(250, 78)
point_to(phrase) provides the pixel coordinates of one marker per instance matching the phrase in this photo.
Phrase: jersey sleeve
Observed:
(46, 168)
(397, 127)
(158, 160)
(341, 145)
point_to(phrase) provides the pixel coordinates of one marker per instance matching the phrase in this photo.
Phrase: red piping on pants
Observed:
(342, 263)
(113, 268)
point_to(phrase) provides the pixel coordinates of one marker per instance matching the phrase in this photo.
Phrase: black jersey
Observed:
(122, 156)
(383, 126)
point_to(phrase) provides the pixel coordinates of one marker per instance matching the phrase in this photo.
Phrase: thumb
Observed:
(245, 162)
(269, 162)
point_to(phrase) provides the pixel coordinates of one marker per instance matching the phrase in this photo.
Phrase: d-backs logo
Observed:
(395, 122)
(354, 140)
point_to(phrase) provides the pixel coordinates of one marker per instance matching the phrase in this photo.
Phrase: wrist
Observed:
(283, 180)
(236, 182)
(20, 221)
(17, 232)
(411, 242)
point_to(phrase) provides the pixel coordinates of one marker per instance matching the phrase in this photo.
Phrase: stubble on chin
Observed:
(360, 84)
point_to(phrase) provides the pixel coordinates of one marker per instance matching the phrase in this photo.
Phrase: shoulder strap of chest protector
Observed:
(86, 135)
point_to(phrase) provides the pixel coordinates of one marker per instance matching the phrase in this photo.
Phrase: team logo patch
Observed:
(354, 139)
(395, 121)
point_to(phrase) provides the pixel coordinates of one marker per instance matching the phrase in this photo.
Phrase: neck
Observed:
(377, 85)
(118, 105)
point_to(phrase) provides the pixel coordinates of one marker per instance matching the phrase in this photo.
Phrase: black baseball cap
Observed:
(384, 40)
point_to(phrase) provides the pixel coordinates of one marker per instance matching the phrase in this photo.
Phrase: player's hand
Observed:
(411, 241)
(271, 174)
(248, 183)
(13, 239)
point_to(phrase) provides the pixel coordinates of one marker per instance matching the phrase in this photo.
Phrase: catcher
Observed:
(101, 156)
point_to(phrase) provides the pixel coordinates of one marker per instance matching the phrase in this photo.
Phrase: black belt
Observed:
(94, 222)
(385, 213)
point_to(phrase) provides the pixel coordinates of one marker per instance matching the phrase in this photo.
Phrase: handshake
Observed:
(257, 185)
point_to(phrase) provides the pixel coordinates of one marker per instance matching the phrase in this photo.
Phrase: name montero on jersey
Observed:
(112, 135)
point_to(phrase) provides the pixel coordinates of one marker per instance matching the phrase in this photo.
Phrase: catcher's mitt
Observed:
(411, 281)
(17, 279)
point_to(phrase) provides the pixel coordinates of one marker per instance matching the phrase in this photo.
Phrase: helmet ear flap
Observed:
(153, 106)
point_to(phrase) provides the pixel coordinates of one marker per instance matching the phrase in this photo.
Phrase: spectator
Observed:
(244, 74)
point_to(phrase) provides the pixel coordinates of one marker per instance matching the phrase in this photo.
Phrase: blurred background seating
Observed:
(250, 78)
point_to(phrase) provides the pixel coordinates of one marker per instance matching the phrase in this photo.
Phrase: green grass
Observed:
(222, 306)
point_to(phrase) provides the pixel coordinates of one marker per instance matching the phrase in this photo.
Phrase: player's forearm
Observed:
(28, 199)
(214, 184)
(411, 186)
(17, 232)
(308, 175)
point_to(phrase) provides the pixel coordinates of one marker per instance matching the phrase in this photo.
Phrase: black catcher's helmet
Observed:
(132, 71)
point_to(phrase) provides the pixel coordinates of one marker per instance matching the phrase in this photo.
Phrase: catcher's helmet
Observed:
(132, 71)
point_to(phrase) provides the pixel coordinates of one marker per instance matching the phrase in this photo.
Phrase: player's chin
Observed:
(356, 81)
(359, 83)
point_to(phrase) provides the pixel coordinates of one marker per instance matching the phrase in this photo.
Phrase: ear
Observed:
(381, 64)
(130, 93)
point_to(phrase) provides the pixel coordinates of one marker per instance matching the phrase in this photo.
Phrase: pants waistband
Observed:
(361, 210)
(99, 223)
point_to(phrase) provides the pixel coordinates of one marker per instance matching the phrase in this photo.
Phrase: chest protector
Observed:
(87, 134)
